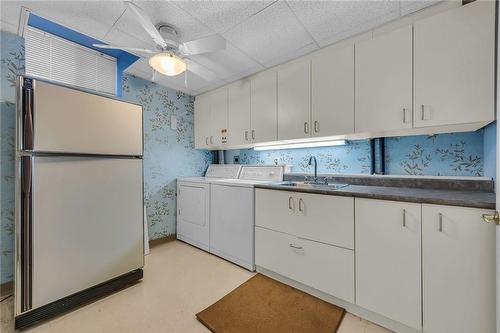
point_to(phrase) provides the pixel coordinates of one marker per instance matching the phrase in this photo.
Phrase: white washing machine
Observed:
(193, 204)
(232, 218)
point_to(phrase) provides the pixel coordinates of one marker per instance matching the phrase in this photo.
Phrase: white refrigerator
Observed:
(79, 198)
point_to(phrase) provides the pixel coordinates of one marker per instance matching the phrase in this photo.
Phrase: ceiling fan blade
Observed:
(200, 71)
(147, 24)
(124, 48)
(203, 45)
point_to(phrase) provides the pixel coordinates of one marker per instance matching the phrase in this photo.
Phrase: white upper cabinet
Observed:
(384, 82)
(388, 259)
(239, 113)
(458, 270)
(455, 66)
(202, 121)
(218, 117)
(264, 104)
(333, 91)
(294, 100)
(210, 119)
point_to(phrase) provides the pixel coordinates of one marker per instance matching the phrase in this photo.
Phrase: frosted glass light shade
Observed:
(167, 64)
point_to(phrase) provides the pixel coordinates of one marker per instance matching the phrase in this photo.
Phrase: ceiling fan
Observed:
(171, 56)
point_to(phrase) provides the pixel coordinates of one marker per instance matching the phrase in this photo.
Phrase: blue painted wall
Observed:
(454, 154)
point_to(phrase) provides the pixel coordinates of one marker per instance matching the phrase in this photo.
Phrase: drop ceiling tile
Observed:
(10, 11)
(327, 19)
(411, 6)
(5, 26)
(162, 12)
(122, 38)
(228, 62)
(291, 55)
(221, 16)
(93, 18)
(271, 33)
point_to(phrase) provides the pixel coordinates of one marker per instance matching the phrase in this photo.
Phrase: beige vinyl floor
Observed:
(179, 281)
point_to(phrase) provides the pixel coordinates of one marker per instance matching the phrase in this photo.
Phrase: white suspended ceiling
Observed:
(260, 34)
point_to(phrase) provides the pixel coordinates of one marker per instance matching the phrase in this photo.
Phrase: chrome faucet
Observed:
(311, 159)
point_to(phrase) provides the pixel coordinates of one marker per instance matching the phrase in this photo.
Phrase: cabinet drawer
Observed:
(327, 268)
(325, 218)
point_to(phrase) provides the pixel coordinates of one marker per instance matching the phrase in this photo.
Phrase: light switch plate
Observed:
(173, 122)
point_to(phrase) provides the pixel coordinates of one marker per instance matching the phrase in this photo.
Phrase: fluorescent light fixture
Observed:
(167, 64)
(301, 145)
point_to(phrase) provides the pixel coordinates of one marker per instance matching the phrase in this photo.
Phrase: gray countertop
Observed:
(476, 199)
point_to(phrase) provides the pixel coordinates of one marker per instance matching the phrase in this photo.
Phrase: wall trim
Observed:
(162, 240)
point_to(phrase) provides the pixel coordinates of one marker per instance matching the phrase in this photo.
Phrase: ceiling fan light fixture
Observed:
(167, 64)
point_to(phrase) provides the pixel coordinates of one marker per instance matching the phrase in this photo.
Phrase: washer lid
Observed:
(270, 173)
(223, 171)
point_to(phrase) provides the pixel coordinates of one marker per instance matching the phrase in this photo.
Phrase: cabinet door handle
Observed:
(206, 140)
(211, 139)
(290, 203)
(296, 247)
(246, 135)
(301, 203)
(253, 134)
(404, 115)
(422, 108)
(404, 217)
(306, 127)
(440, 222)
(316, 126)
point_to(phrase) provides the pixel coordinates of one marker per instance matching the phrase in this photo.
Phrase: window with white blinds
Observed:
(56, 59)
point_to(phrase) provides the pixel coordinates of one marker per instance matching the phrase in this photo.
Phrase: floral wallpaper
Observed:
(351, 158)
(168, 154)
(454, 154)
(11, 65)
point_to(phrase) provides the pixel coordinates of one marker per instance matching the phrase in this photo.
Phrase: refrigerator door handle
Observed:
(26, 232)
(28, 116)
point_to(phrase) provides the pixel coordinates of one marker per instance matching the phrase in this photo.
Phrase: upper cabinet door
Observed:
(384, 82)
(455, 66)
(218, 117)
(333, 91)
(202, 121)
(239, 113)
(294, 100)
(264, 101)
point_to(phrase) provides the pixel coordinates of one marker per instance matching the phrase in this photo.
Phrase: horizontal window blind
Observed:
(56, 59)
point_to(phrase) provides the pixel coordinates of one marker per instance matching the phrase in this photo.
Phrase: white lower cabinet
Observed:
(428, 267)
(327, 268)
(458, 270)
(388, 259)
(307, 215)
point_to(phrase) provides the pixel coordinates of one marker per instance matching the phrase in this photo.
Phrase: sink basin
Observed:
(324, 186)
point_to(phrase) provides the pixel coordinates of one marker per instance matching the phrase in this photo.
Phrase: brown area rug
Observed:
(264, 305)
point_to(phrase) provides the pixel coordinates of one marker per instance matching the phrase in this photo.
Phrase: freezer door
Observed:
(87, 223)
(72, 121)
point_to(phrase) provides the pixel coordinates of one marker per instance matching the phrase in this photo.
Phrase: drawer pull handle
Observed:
(440, 222)
(290, 203)
(404, 217)
(306, 127)
(301, 204)
(253, 134)
(296, 247)
(316, 126)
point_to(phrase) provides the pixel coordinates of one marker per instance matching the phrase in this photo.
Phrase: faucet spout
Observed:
(311, 160)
